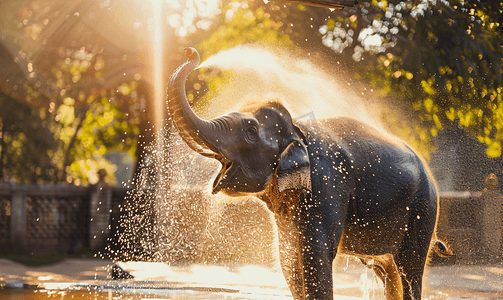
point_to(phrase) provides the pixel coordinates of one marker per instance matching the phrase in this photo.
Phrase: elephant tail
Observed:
(441, 249)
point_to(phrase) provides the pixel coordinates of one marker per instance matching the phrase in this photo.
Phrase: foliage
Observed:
(442, 57)
(439, 61)
(65, 138)
(300, 28)
(240, 25)
(68, 112)
(24, 135)
(244, 25)
(100, 128)
(63, 144)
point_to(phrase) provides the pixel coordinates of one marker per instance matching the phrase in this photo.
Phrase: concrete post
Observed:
(100, 206)
(18, 218)
(491, 220)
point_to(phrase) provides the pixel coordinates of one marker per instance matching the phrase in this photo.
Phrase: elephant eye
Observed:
(251, 134)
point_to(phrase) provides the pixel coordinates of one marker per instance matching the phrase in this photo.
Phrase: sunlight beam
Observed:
(158, 43)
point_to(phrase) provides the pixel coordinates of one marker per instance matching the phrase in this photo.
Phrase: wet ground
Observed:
(88, 279)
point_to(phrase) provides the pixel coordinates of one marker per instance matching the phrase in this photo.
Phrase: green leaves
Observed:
(245, 26)
(64, 143)
(447, 53)
(439, 58)
(26, 143)
(242, 26)
(103, 129)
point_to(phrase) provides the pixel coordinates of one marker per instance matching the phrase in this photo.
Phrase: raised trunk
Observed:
(199, 134)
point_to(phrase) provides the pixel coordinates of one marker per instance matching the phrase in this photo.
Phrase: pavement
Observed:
(65, 270)
(351, 279)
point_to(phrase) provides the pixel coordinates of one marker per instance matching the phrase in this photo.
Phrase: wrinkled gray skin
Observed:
(334, 186)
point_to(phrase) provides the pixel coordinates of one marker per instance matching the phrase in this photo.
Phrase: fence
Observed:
(43, 218)
(39, 219)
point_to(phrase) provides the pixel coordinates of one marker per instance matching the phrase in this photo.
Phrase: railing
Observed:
(64, 218)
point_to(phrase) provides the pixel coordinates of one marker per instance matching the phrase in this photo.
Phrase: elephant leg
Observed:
(317, 271)
(385, 268)
(413, 252)
(316, 256)
(411, 266)
(307, 268)
(290, 262)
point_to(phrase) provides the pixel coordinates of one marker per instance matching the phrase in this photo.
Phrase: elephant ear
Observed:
(293, 171)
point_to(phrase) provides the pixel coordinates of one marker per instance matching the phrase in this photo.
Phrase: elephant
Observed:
(335, 186)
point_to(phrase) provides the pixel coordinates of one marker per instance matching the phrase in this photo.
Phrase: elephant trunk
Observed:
(199, 134)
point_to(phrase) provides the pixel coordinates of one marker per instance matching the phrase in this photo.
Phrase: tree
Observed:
(295, 27)
(437, 60)
(241, 25)
(440, 61)
(74, 81)
(63, 138)
(442, 57)
(84, 66)
(22, 139)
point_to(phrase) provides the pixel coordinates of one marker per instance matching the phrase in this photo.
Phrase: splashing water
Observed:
(170, 215)
(299, 83)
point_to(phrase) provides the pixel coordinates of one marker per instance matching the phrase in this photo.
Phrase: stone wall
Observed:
(471, 223)
(40, 219)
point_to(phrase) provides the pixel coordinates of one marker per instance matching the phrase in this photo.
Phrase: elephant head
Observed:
(255, 147)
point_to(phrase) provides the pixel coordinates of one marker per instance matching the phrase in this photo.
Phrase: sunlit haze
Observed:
(158, 41)
(183, 22)
(304, 87)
